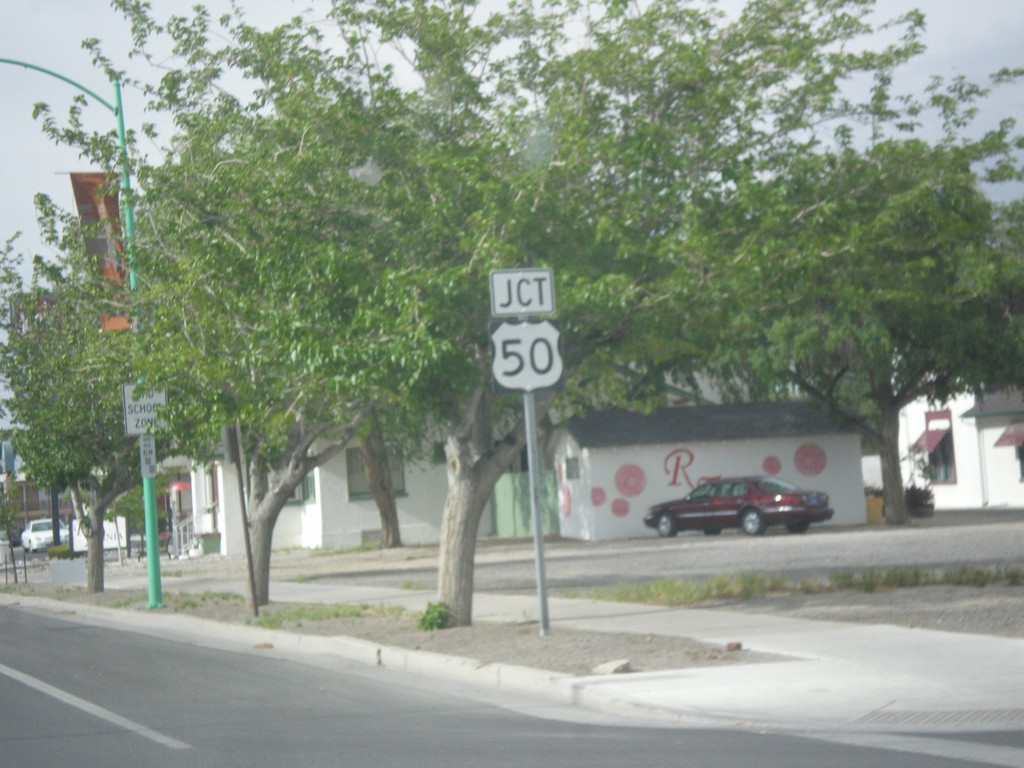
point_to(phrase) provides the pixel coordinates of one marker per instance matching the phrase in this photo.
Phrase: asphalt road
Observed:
(87, 696)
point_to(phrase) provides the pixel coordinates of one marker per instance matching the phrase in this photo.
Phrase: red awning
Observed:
(1013, 435)
(930, 440)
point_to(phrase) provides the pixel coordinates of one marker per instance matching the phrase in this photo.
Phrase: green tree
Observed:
(64, 378)
(10, 507)
(867, 278)
(261, 252)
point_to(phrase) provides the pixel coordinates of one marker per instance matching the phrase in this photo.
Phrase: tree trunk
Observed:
(94, 559)
(263, 508)
(378, 475)
(92, 521)
(463, 509)
(261, 533)
(892, 473)
(475, 463)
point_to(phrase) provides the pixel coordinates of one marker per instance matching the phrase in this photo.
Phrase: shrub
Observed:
(918, 497)
(61, 552)
(436, 616)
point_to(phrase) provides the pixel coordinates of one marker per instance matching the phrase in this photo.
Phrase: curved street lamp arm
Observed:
(67, 80)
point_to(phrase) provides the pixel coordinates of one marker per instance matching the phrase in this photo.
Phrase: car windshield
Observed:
(774, 485)
(43, 526)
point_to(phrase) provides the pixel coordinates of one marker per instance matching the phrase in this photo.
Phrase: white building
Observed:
(613, 466)
(332, 508)
(610, 468)
(970, 450)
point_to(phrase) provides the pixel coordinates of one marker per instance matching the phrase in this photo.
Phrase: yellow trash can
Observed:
(874, 505)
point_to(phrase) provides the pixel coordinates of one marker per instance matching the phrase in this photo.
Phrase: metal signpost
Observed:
(526, 358)
(141, 414)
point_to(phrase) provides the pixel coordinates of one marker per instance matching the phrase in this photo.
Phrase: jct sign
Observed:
(522, 292)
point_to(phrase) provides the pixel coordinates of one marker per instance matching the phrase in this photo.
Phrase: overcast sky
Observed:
(969, 37)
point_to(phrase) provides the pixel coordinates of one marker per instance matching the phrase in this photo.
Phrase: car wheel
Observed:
(750, 520)
(712, 531)
(666, 525)
(798, 527)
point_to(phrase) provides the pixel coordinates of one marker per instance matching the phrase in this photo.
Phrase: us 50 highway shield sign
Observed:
(526, 355)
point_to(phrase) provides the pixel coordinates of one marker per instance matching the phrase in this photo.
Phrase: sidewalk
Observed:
(848, 677)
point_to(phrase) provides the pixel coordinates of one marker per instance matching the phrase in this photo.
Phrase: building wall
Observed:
(964, 490)
(614, 487)
(1004, 486)
(350, 522)
(330, 519)
(986, 475)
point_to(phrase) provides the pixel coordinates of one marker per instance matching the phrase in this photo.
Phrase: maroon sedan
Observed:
(750, 503)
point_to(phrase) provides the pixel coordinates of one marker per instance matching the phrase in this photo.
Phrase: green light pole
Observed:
(156, 599)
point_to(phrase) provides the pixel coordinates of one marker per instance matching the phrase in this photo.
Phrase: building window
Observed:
(305, 491)
(937, 444)
(438, 455)
(941, 464)
(572, 469)
(212, 491)
(359, 484)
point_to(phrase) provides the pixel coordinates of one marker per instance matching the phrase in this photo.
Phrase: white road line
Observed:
(93, 709)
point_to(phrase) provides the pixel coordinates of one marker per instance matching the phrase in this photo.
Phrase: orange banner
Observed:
(97, 204)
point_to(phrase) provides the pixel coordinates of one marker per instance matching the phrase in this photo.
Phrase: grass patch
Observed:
(678, 592)
(369, 546)
(749, 586)
(184, 601)
(900, 578)
(411, 550)
(296, 615)
(126, 603)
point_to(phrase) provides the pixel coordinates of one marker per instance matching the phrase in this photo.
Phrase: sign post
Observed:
(526, 358)
(140, 416)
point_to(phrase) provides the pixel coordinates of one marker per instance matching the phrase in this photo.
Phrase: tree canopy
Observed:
(868, 277)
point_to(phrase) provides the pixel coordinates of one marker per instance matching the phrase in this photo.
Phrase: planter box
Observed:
(210, 545)
(67, 571)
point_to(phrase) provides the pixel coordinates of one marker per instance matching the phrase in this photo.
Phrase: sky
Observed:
(972, 38)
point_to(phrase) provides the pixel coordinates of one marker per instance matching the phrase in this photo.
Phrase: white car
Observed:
(39, 535)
